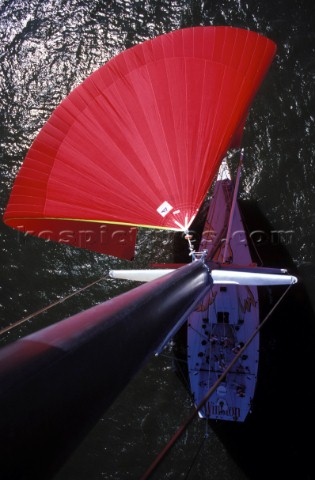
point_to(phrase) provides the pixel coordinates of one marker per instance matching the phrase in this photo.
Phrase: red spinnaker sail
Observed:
(139, 142)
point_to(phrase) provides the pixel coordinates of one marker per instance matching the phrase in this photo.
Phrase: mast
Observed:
(56, 383)
(235, 193)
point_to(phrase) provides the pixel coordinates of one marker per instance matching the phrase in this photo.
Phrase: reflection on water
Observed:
(47, 48)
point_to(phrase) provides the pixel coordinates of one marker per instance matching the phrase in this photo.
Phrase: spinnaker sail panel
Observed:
(140, 140)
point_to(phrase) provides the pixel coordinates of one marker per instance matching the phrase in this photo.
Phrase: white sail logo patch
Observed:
(164, 209)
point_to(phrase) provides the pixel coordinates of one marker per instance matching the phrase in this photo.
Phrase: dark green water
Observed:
(46, 49)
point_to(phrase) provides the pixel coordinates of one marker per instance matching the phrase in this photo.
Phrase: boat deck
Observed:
(223, 321)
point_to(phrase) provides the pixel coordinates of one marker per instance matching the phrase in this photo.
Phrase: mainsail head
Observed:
(139, 142)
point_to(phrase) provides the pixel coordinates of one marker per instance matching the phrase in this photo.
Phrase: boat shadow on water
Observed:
(273, 442)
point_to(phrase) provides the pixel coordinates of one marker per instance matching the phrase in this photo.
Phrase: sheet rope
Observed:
(51, 305)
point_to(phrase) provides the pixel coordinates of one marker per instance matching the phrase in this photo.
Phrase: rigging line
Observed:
(197, 331)
(178, 369)
(173, 358)
(196, 456)
(202, 370)
(191, 417)
(185, 380)
(53, 304)
(211, 346)
(251, 241)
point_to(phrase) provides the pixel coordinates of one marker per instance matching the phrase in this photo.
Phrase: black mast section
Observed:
(56, 383)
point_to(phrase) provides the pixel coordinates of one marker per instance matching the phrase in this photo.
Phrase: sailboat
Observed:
(137, 144)
(226, 317)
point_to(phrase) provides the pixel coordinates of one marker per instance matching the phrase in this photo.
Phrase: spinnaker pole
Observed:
(56, 383)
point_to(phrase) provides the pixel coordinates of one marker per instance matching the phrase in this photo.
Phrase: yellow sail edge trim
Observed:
(97, 221)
